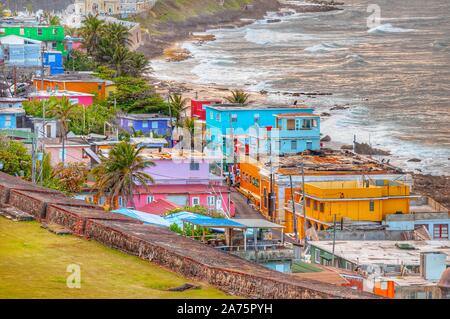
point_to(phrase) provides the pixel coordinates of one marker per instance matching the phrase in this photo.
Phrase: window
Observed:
(54, 45)
(314, 122)
(8, 121)
(294, 145)
(194, 166)
(120, 201)
(218, 117)
(315, 205)
(317, 256)
(39, 31)
(211, 115)
(440, 231)
(102, 200)
(265, 198)
(371, 206)
(256, 118)
(322, 207)
(195, 201)
(291, 125)
(233, 118)
(55, 31)
(307, 124)
(84, 154)
(154, 124)
(211, 200)
(144, 124)
(73, 101)
(149, 199)
(130, 123)
(2, 30)
(308, 202)
(51, 58)
(22, 31)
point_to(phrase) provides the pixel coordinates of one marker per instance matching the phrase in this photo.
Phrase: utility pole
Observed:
(33, 158)
(303, 203)
(334, 239)
(293, 210)
(271, 193)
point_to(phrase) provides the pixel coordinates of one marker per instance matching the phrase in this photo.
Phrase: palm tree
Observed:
(189, 125)
(139, 65)
(177, 104)
(117, 34)
(63, 110)
(238, 96)
(92, 32)
(121, 172)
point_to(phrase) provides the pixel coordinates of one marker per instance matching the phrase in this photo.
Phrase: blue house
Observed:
(157, 124)
(12, 115)
(20, 52)
(224, 121)
(54, 61)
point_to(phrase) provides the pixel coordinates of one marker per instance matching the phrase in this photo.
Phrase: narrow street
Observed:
(243, 210)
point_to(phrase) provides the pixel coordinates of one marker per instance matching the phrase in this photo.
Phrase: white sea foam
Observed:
(323, 47)
(269, 37)
(388, 28)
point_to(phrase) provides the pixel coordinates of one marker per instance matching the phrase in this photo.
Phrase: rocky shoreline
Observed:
(168, 34)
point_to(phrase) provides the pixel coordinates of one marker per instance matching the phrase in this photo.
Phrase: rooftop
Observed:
(177, 154)
(290, 115)
(12, 110)
(158, 207)
(384, 251)
(11, 99)
(58, 93)
(144, 116)
(240, 107)
(74, 77)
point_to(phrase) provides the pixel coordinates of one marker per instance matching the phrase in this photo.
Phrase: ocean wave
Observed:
(322, 47)
(388, 28)
(354, 59)
(268, 37)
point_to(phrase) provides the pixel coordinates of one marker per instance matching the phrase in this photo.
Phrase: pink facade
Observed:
(73, 154)
(75, 97)
(215, 198)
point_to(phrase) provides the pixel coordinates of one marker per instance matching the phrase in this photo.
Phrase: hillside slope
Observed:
(174, 20)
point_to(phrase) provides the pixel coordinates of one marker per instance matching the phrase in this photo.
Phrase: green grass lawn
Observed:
(33, 264)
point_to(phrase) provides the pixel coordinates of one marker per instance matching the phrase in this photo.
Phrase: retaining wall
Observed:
(35, 203)
(197, 261)
(75, 218)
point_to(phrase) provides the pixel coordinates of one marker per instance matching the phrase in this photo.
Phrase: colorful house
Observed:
(227, 122)
(54, 61)
(20, 52)
(73, 151)
(9, 117)
(257, 180)
(198, 109)
(77, 82)
(85, 99)
(146, 123)
(52, 36)
(367, 200)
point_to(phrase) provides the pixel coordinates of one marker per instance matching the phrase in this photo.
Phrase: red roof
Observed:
(183, 189)
(158, 207)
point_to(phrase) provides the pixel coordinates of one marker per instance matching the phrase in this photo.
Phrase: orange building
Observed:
(77, 82)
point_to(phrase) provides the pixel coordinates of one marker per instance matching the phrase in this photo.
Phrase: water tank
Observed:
(432, 265)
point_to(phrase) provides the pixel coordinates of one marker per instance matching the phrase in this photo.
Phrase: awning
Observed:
(257, 223)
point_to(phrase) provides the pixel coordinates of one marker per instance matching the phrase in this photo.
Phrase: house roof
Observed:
(15, 39)
(11, 99)
(44, 93)
(240, 107)
(289, 115)
(144, 116)
(258, 223)
(214, 222)
(158, 207)
(183, 189)
(74, 77)
(146, 218)
(148, 140)
(12, 110)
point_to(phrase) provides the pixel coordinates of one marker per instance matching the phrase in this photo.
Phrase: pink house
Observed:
(74, 97)
(73, 152)
(213, 197)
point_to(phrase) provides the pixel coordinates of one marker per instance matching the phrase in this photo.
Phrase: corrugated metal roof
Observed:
(214, 222)
(146, 218)
(257, 223)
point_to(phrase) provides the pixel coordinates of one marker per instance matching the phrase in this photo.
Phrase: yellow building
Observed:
(367, 200)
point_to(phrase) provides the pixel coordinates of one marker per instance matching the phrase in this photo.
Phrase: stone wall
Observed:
(75, 218)
(197, 261)
(35, 203)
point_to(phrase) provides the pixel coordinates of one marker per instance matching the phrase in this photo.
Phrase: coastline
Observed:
(435, 186)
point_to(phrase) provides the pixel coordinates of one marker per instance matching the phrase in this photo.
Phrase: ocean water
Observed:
(394, 76)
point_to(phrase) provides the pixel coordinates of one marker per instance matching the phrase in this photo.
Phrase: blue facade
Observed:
(155, 124)
(21, 55)
(298, 133)
(8, 120)
(221, 120)
(54, 60)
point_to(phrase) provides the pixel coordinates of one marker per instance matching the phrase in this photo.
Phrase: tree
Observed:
(238, 96)
(116, 33)
(139, 64)
(79, 61)
(15, 157)
(34, 107)
(189, 125)
(63, 110)
(71, 177)
(177, 103)
(121, 172)
(92, 33)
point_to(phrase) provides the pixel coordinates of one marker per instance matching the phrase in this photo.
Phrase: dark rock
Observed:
(347, 147)
(366, 149)
(326, 138)
(325, 114)
(339, 107)
(273, 20)
(415, 160)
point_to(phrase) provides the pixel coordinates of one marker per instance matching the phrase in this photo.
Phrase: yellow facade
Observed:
(354, 200)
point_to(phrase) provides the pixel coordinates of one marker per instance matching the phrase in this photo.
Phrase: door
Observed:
(309, 145)
(48, 130)
(219, 204)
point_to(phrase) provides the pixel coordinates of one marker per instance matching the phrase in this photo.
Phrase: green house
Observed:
(51, 35)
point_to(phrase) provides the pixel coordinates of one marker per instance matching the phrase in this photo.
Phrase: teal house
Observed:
(292, 129)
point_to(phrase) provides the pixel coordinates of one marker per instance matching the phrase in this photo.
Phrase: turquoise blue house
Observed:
(228, 125)
(11, 113)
